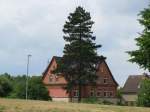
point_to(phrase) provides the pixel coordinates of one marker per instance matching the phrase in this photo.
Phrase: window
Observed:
(50, 78)
(110, 94)
(76, 93)
(92, 92)
(56, 78)
(105, 94)
(98, 93)
(105, 80)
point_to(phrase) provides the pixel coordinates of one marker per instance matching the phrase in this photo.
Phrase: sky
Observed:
(35, 27)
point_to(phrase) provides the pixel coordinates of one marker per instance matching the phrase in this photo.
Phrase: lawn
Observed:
(10, 105)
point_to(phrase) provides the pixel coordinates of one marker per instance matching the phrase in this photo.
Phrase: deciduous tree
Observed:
(141, 56)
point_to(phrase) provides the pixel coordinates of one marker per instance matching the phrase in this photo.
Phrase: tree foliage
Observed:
(19, 86)
(119, 95)
(15, 87)
(144, 93)
(80, 57)
(141, 56)
(5, 85)
(37, 90)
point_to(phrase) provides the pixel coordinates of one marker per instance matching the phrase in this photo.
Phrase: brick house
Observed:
(105, 89)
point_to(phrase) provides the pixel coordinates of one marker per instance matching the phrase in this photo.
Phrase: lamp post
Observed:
(28, 56)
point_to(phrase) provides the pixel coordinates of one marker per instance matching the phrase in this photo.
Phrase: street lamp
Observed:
(28, 56)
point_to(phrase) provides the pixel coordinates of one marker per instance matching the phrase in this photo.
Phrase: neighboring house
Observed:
(105, 89)
(131, 88)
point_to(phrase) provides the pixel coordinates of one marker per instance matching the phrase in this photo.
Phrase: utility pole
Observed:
(28, 59)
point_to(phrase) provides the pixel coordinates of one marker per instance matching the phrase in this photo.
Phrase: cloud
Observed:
(35, 27)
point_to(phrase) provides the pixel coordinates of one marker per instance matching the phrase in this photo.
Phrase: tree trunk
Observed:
(70, 95)
(80, 93)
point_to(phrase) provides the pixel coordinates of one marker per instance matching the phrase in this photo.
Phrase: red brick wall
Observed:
(55, 87)
(86, 91)
(55, 80)
(57, 92)
(104, 73)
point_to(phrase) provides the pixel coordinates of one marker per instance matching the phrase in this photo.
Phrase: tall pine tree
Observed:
(80, 57)
(141, 56)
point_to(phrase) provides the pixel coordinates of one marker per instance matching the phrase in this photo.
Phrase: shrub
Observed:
(5, 86)
(92, 100)
(144, 94)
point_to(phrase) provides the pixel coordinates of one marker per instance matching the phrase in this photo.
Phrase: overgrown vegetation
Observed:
(14, 87)
(144, 94)
(95, 100)
(92, 100)
(119, 96)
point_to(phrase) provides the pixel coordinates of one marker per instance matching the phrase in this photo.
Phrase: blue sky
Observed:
(35, 27)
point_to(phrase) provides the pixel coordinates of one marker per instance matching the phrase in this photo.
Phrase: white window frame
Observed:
(50, 78)
(106, 96)
(92, 92)
(56, 78)
(105, 80)
(99, 93)
(111, 92)
(75, 93)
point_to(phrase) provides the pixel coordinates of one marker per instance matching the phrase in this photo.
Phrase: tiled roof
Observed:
(132, 84)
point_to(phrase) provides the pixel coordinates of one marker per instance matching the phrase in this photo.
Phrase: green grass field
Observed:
(10, 105)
